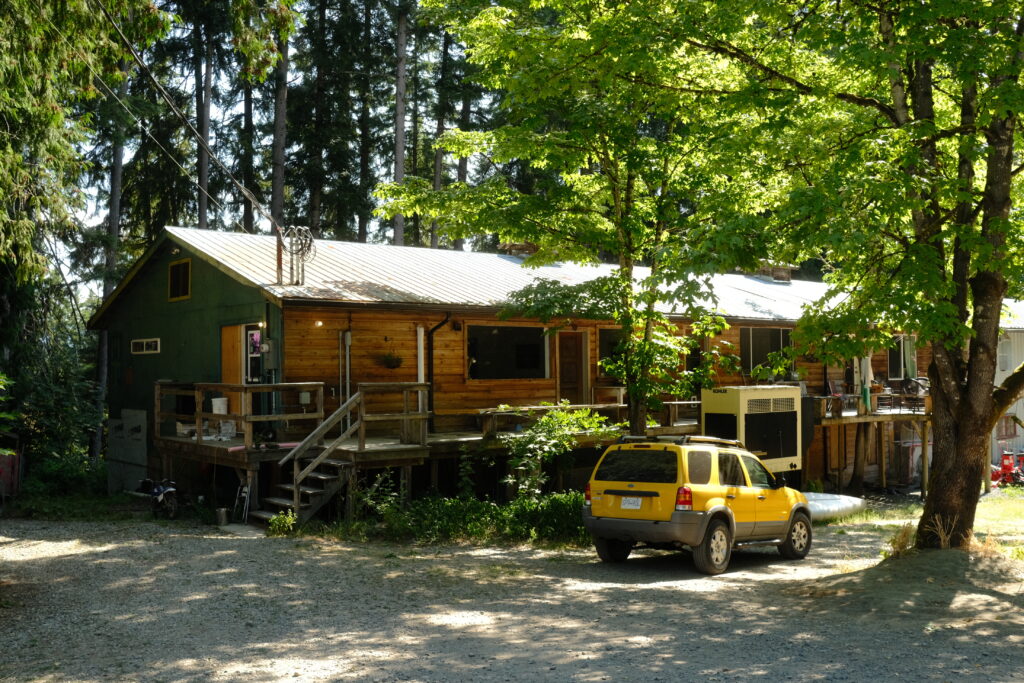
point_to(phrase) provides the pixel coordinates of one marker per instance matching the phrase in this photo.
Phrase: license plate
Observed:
(630, 503)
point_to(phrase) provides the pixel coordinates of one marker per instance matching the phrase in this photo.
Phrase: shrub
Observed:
(282, 524)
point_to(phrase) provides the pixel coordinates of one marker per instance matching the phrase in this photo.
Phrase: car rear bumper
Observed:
(686, 528)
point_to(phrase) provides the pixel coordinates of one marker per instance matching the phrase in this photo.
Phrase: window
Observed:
(652, 467)
(179, 280)
(608, 340)
(903, 358)
(757, 342)
(144, 346)
(729, 471)
(698, 466)
(760, 477)
(1006, 428)
(506, 352)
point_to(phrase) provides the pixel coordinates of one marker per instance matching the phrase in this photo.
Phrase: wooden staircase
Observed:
(321, 470)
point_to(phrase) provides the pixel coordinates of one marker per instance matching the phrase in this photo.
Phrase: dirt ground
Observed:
(177, 602)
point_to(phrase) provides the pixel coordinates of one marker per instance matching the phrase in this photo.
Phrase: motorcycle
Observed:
(164, 495)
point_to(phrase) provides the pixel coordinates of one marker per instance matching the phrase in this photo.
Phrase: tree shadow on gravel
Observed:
(160, 603)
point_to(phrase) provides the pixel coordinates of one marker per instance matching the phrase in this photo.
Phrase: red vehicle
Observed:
(1009, 473)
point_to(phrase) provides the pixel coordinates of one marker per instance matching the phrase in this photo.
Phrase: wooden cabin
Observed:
(254, 344)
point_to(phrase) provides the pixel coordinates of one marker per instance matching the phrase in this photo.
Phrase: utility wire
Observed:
(142, 126)
(184, 119)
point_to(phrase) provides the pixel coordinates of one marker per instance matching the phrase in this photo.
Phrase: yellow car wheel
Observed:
(713, 553)
(798, 540)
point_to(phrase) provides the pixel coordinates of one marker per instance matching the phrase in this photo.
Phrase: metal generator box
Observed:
(765, 418)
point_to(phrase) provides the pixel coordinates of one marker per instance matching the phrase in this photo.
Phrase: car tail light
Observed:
(586, 494)
(684, 498)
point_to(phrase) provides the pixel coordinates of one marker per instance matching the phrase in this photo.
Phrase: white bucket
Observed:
(220, 405)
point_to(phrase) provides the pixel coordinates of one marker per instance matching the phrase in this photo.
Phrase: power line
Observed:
(200, 140)
(139, 121)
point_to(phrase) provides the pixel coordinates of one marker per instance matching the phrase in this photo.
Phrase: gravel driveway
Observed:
(173, 602)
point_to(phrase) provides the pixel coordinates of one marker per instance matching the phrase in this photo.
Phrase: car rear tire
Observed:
(798, 540)
(713, 553)
(612, 550)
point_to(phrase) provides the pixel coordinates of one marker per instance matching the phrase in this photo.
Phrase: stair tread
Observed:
(332, 462)
(310, 490)
(265, 515)
(282, 502)
(322, 476)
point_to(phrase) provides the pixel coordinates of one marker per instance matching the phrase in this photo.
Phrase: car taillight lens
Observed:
(684, 498)
(586, 494)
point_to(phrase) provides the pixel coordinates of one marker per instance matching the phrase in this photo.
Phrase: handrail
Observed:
(317, 434)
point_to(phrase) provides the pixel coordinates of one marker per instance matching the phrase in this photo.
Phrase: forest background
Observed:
(694, 137)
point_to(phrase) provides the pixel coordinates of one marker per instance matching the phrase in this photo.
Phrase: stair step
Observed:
(332, 462)
(264, 515)
(282, 502)
(321, 476)
(307, 490)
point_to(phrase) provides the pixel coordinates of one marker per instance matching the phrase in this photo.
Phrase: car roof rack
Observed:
(699, 438)
(682, 440)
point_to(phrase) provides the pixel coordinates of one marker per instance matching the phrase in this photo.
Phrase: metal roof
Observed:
(360, 273)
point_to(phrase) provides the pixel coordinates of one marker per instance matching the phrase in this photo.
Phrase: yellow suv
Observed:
(706, 493)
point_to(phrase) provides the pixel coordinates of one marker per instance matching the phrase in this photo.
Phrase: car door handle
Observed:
(761, 497)
(730, 496)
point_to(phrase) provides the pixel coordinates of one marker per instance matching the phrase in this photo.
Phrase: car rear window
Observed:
(654, 467)
(698, 467)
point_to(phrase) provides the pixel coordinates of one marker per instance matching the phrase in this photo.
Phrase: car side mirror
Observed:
(779, 483)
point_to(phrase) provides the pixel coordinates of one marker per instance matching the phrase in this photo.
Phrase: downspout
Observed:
(430, 366)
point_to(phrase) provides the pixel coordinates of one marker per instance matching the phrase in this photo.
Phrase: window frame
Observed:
(546, 341)
(170, 279)
(900, 350)
(747, 363)
(147, 346)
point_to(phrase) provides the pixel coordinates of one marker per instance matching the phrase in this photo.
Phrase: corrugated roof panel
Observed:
(377, 273)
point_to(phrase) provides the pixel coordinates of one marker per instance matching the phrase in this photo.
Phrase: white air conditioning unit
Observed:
(765, 418)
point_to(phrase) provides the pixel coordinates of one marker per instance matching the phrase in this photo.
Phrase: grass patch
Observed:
(79, 507)
(885, 516)
(553, 519)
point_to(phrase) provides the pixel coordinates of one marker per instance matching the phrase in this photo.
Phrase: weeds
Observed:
(902, 542)
(943, 529)
(282, 524)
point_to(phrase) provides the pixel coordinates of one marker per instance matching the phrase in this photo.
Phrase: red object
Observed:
(1008, 462)
(684, 498)
(586, 494)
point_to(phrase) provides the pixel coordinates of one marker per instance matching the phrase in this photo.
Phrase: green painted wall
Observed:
(189, 330)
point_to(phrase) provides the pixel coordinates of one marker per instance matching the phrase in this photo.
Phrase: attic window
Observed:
(145, 346)
(179, 280)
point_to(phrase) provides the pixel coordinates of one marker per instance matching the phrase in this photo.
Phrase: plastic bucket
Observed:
(219, 405)
(222, 516)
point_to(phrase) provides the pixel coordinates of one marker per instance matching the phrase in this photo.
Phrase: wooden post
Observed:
(198, 393)
(246, 414)
(405, 486)
(295, 485)
(362, 423)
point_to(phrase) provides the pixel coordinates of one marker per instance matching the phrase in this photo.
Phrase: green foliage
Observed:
(551, 434)
(76, 505)
(283, 523)
(552, 518)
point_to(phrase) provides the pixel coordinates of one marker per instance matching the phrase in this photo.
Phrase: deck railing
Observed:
(285, 397)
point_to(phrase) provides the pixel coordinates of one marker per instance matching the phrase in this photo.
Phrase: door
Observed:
(740, 498)
(773, 506)
(231, 362)
(572, 384)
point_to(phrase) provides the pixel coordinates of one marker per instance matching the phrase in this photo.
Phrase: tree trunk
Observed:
(463, 172)
(365, 180)
(248, 173)
(316, 177)
(399, 233)
(442, 109)
(414, 165)
(280, 123)
(204, 84)
(109, 267)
